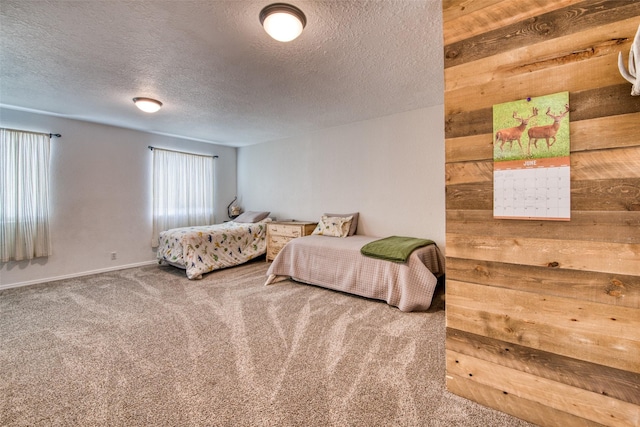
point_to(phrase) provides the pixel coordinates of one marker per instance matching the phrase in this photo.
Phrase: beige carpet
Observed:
(147, 347)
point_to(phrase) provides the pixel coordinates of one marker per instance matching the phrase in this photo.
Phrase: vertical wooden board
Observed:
(603, 288)
(621, 194)
(575, 48)
(455, 9)
(605, 132)
(610, 164)
(580, 316)
(579, 255)
(615, 383)
(605, 226)
(604, 101)
(536, 321)
(468, 18)
(469, 196)
(469, 148)
(525, 409)
(467, 172)
(547, 26)
(581, 403)
(460, 123)
(569, 76)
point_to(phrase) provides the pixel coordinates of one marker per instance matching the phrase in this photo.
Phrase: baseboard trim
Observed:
(74, 275)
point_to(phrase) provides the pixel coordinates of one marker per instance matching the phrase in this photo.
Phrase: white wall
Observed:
(389, 169)
(101, 195)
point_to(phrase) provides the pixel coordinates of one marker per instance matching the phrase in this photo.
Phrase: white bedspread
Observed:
(336, 263)
(211, 247)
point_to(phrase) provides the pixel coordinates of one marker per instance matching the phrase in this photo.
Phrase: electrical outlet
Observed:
(114, 255)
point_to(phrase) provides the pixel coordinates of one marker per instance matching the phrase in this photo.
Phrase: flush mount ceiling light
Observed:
(147, 105)
(282, 21)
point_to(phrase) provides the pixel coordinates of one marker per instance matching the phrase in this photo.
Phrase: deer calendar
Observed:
(531, 178)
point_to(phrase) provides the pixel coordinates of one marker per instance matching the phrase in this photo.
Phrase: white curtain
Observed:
(182, 191)
(24, 195)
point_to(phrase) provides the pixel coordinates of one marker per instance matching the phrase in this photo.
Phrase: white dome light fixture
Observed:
(282, 21)
(147, 105)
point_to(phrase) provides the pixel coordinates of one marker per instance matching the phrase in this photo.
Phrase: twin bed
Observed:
(203, 249)
(332, 257)
(338, 264)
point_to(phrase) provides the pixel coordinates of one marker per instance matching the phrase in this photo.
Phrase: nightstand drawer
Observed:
(272, 252)
(285, 230)
(277, 241)
(275, 245)
(281, 233)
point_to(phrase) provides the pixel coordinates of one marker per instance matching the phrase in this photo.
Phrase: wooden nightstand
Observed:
(279, 233)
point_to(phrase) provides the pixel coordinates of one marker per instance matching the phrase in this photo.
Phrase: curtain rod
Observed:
(51, 135)
(181, 152)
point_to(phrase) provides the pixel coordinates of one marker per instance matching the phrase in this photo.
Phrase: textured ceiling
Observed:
(221, 78)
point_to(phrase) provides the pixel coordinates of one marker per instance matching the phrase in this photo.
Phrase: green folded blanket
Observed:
(394, 248)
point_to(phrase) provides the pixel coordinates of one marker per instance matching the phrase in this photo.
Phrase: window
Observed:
(182, 191)
(24, 195)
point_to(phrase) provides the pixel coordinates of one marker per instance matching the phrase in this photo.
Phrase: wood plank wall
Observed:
(543, 317)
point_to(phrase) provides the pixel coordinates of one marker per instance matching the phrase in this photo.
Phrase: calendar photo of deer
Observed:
(531, 128)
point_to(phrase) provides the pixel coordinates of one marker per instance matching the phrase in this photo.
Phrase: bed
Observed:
(203, 249)
(337, 263)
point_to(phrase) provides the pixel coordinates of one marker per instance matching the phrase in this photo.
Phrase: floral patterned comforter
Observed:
(211, 247)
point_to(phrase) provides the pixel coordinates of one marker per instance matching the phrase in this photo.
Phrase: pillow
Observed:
(251, 216)
(334, 226)
(354, 221)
